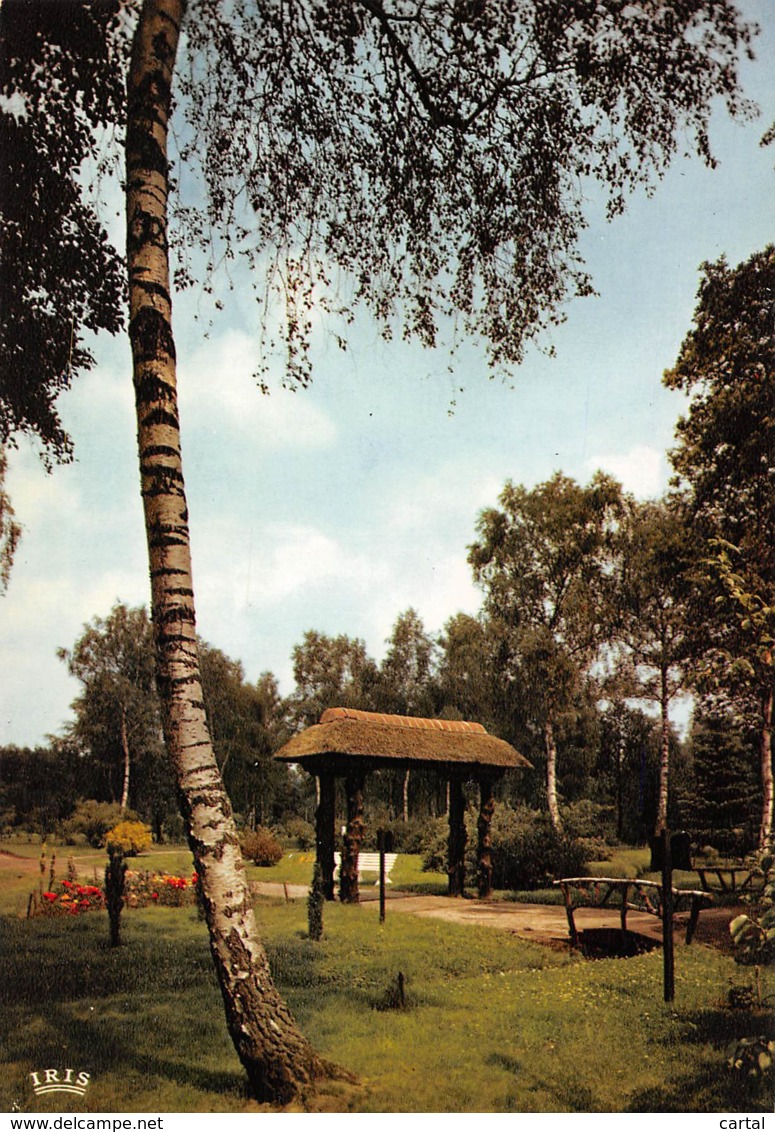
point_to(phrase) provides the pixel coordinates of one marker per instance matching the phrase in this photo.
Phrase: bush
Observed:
(300, 832)
(526, 852)
(261, 846)
(92, 820)
(130, 837)
(433, 845)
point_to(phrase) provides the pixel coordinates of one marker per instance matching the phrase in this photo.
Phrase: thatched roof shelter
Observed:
(350, 744)
(345, 735)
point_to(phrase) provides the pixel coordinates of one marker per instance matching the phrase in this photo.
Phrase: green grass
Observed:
(491, 1023)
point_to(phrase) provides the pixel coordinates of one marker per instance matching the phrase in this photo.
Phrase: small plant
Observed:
(315, 903)
(131, 837)
(753, 1057)
(753, 935)
(115, 882)
(260, 846)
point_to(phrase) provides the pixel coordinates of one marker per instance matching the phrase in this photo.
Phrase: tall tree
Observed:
(724, 801)
(330, 672)
(438, 155)
(406, 684)
(543, 560)
(117, 720)
(246, 724)
(724, 461)
(651, 610)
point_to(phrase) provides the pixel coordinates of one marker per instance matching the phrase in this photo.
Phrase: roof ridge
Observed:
(408, 721)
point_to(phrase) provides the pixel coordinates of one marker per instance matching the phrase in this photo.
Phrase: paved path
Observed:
(543, 923)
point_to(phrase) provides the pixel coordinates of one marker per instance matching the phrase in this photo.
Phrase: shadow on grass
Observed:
(714, 1087)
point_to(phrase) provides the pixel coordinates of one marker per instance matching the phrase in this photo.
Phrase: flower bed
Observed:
(144, 889)
(68, 898)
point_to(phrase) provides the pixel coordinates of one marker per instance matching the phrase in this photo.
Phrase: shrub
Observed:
(301, 832)
(130, 837)
(260, 846)
(433, 845)
(315, 903)
(92, 820)
(528, 853)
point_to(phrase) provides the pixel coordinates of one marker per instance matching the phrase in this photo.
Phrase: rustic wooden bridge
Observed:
(633, 895)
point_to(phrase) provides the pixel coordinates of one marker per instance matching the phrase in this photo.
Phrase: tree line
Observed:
(598, 611)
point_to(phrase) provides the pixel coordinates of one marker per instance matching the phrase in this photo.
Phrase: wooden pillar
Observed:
(456, 859)
(324, 822)
(348, 875)
(484, 848)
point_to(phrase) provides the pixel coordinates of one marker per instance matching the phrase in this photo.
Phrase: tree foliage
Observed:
(61, 81)
(724, 461)
(455, 140)
(543, 560)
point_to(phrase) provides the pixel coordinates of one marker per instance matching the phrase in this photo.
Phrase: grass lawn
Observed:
(491, 1023)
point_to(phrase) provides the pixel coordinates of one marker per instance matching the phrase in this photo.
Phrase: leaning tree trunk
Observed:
(277, 1058)
(664, 759)
(768, 793)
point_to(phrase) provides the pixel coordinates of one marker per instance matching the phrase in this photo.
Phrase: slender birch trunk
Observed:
(127, 760)
(768, 790)
(551, 774)
(277, 1058)
(664, 760)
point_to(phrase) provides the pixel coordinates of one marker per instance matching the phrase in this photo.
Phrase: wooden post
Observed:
(381, 847)
(456, 860)
(324, 821)
(623, 914)
(667, 918)
(484, 848)
(348, 873)
(568, 898)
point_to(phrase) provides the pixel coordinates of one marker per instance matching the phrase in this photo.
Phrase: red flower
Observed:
(154, 896)
(67, 883)
(50, 896)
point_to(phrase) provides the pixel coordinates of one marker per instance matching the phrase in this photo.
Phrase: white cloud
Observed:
(217, 392)
(643, 470)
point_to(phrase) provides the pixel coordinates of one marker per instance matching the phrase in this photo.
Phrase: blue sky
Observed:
(337, 507)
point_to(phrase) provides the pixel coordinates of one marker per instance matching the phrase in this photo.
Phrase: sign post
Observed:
(667, 917)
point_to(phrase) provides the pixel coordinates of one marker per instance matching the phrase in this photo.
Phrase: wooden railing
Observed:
(634, 895)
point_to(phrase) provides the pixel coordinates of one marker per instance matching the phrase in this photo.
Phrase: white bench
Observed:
(368, 863)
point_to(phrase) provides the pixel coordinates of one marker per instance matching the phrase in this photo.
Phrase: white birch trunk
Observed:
(277, 1058)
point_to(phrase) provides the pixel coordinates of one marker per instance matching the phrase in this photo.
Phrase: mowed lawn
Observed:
(490, 1023)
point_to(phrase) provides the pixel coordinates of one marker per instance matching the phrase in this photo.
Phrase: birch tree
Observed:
(543, 560)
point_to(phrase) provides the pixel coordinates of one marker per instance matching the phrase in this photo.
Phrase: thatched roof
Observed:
(344, 733)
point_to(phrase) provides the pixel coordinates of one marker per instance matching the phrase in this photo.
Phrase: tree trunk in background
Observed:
(551, 774)
(765, 830)
(664, 760)
(277, 1058)
(405, 811)
(125, 749)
